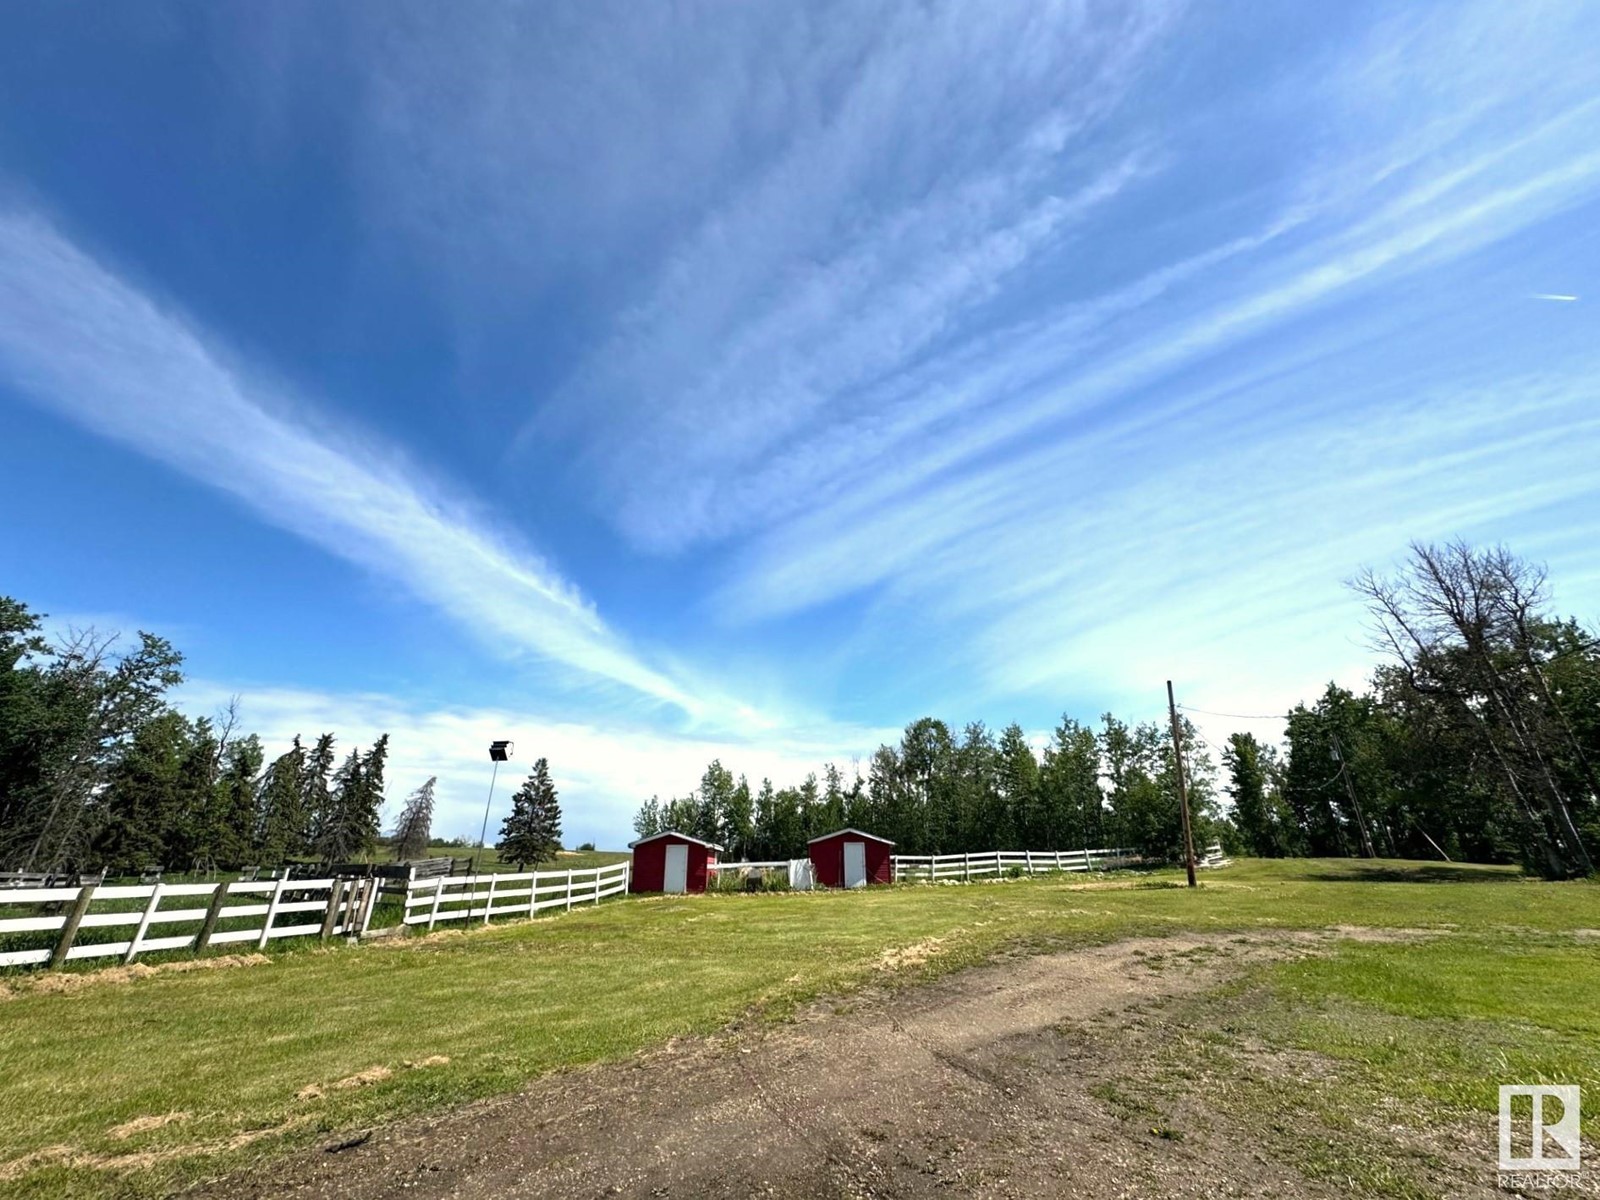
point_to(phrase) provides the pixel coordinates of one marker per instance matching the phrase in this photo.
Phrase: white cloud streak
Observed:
(87, 344)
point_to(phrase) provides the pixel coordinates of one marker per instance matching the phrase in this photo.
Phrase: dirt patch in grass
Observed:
(898, 957)
(1008, 1079)
(140, 1160)
(67, 982)
(138, 1125)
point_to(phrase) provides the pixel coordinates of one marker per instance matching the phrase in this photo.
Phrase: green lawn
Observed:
(1376, 1067)
(235, 1048)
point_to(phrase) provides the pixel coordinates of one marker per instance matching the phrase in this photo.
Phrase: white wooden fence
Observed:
(64, 914)
(484, 897)
(940, 868)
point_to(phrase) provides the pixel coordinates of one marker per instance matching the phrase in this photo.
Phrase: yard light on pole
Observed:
(499, 752)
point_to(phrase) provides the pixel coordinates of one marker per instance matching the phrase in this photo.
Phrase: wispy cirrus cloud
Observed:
(84, 342)
(843, 431)
(917, 192)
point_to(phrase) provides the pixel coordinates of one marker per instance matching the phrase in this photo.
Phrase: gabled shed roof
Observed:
(673, 833)
(858, 832)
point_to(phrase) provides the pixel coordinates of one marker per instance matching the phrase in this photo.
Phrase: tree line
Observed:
(97, 768)
(937, 792)
(1478, 740)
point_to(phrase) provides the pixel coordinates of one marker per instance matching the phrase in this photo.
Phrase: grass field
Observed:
(252, 1055)
(489, 858)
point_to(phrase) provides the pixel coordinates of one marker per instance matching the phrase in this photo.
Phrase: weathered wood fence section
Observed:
(485, 897)
(942, 868)
(251, 914)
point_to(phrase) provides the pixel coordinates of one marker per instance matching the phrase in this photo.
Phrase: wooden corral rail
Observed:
(484, 897)
(939, 868)
(341, 906)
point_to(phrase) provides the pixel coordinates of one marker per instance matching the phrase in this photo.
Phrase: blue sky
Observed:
(648, 383)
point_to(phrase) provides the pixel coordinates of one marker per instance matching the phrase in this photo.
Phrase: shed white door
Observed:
(677, 869)
(855, 864)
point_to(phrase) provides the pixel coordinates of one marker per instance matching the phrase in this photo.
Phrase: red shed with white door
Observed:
(851, 858)
(671, 862)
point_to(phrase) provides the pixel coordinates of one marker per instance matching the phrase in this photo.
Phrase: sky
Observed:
(653, 383)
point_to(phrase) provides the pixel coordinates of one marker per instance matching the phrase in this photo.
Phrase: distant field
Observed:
(252, 1055)
(489, 859)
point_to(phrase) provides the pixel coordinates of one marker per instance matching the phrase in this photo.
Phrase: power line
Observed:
(1239, 716)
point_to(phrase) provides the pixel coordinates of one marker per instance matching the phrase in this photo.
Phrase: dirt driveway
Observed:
(983, 1083)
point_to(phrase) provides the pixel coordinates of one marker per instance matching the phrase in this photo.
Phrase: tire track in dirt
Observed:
(977, 1083)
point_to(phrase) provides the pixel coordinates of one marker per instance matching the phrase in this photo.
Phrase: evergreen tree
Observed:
(531, 834)
(188, 841)
(413, 828)
(229, 840)
(281, 822)
(138, 811)
(368, 817)
(316, 796)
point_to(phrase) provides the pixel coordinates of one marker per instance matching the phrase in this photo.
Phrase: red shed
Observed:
(671, 862)
(850, 858)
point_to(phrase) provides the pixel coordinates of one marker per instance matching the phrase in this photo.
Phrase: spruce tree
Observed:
(281, 824)
(229, 843)
(316, 797)
(532, 833)
(413, 829)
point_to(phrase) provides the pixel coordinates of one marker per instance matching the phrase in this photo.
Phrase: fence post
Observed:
(569, 891)
(488, 903)
(966, 868)
(1028, 854)
(533, 895)
(371, 902)
(272, 910)
(438, 894)
(597, 888)
(335, 891)
(1087, 865)
(213, 914)
(144, 923)
(70, 929)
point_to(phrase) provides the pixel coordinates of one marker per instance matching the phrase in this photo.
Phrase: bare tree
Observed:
(1460, 622)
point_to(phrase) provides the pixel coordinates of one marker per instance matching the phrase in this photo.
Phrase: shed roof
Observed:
(673, 833)
(858, 832)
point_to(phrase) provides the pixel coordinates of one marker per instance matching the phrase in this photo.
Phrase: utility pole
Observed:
(1350, 790)
(1183, 791)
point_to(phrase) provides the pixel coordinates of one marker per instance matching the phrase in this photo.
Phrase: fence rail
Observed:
(939, 868)
(72, 914)
(484, 897)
